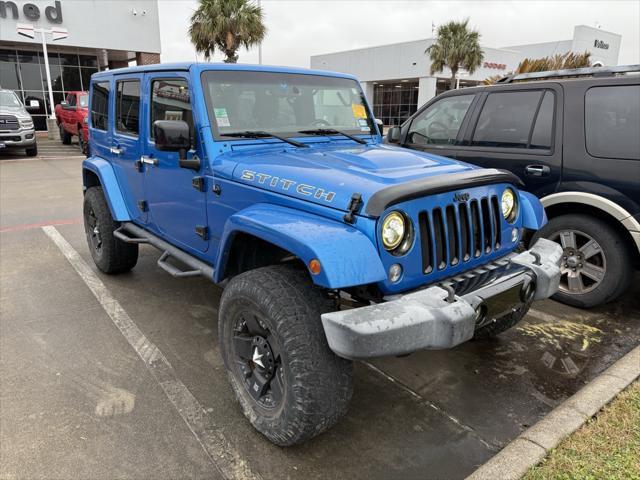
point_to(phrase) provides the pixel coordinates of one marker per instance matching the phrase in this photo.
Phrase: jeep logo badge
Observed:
(460, 197)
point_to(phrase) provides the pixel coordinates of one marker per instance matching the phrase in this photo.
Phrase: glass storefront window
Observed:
(394, 102)
(71, 78)
(9, 77)
(24, 72)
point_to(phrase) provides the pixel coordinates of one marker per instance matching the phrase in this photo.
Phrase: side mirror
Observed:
(393, 135)
(174, 136)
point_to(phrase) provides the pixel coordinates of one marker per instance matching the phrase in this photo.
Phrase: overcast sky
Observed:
(298, 29)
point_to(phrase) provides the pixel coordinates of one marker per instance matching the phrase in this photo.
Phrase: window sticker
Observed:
(222, 117)
(358, 110)
(173, 115)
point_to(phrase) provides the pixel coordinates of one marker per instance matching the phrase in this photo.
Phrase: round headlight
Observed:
(508, 204)
(393, 230)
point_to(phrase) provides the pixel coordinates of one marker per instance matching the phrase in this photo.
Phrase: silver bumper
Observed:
(436, 318)
(18, 138)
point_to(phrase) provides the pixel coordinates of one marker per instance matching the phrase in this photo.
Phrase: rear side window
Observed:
(612, 121)
(439, 123)
(170, 100)
(128, 107)
(521, 119)
(100, 106)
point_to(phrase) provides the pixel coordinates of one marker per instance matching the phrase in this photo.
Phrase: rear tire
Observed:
(110, 254)
(608, 259)
(32, 151)
(271, 316)
(64, 135)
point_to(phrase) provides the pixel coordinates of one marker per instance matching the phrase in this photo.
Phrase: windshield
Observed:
(9, 99)
(84, 100)
(284, 103)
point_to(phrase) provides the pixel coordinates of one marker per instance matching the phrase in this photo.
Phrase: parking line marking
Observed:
(221, 453)
(31, 226)
(420, 398)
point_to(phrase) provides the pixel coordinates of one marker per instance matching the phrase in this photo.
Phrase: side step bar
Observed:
(131, 233)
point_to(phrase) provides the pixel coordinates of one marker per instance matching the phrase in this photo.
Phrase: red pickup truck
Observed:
(72, 115)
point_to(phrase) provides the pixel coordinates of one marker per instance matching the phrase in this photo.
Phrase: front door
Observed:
(126, 146)
(519, 130)
(176, 195)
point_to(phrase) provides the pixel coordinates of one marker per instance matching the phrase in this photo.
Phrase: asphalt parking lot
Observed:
(79, 400)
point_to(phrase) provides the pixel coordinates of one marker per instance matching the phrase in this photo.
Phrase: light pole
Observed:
(56, 33)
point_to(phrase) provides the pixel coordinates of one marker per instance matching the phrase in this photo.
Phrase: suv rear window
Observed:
(100, 106)
(507, 120)
(128, 107)
(612, 121)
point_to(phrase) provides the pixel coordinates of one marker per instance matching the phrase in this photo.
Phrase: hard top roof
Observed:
(200, 67)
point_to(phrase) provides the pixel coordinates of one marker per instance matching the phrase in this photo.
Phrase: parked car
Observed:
(273, 183)
(16, 125)
(573, 138)
(72, 117)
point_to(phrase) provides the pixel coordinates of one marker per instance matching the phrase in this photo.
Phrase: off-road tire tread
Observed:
(117, 256)
(501, 324)
(320, 381)
(65, 136)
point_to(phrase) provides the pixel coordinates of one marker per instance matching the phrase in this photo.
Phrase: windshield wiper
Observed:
(332, 131)
(263, 134)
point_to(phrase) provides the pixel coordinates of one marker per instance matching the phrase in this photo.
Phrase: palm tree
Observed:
(226, 25)
(455, 47)
(558, 61)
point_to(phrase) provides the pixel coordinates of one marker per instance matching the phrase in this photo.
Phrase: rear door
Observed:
(519, 129)
(177, 196)
(438, 128)
(126, 143)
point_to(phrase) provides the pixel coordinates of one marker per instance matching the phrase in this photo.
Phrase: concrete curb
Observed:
(513, 461)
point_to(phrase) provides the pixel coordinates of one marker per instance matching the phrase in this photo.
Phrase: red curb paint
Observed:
(31, 226)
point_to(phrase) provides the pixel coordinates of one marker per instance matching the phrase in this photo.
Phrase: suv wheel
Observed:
(596, 266)
(110, 254)
(290, 385)
(64, 135)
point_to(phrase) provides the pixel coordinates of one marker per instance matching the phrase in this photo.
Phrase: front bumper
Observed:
(18, 138)
(446, 315)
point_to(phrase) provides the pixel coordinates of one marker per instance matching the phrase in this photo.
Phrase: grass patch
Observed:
(606, 447)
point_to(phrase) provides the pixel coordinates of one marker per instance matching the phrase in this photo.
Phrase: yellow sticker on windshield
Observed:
(358, 110)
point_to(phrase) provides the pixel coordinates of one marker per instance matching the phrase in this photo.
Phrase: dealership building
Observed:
(396, 77)
(101, 34)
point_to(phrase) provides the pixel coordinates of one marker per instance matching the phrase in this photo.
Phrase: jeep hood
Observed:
(329, 176)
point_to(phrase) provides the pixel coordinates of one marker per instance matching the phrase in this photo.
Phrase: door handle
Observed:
(537, 170)
(148, 160)
(116, 150)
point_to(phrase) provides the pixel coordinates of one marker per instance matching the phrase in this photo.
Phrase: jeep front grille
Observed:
(9, 122)
(458, 232)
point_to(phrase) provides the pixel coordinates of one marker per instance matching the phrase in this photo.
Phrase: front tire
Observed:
(290, 385)
(31, 151)
(502, 324)
(596, 266)
(110, 254)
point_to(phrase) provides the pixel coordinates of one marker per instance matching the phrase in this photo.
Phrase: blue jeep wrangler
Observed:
(330, 246)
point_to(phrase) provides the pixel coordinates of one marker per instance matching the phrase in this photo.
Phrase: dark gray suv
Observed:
(573, 138)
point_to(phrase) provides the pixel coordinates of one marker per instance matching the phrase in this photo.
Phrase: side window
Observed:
(170, 100)
(128, 107)
(100, 106)
(71, 100)
(612, 121)
(542, 135)
(440, 122)
(506, 119)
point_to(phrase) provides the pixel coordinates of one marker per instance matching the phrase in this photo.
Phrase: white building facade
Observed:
(396, 77)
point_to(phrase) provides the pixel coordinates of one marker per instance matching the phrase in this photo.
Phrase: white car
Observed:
(16, 125)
